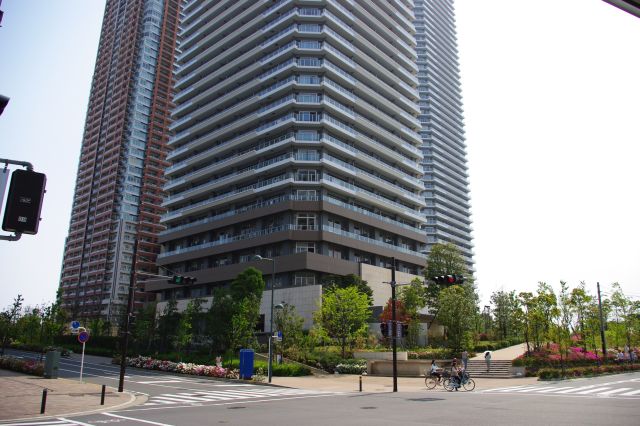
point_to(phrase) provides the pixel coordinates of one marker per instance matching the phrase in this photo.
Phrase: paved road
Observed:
(177, 401)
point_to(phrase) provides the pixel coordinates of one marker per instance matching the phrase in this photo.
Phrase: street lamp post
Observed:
(273, 283)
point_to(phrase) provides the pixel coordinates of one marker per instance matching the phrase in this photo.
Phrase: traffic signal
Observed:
(448, 279)
(181, 279)
(405, 330)
(24, 202)
(384, 329)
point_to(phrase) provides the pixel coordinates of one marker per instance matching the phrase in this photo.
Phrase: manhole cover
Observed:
(424, 399)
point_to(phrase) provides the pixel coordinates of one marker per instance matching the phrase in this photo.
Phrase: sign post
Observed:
(83, 336)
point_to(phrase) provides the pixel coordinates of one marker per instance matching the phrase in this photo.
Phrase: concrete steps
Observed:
(499, 369)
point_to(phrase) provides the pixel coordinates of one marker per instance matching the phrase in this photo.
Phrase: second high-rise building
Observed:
(296, 139)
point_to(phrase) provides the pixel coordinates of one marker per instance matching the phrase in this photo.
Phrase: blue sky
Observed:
(551, 112)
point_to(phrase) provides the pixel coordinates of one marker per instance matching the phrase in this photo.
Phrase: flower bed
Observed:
(549, 357)
(352, 366)
(23, 366)
(556, 373)
(180, 367)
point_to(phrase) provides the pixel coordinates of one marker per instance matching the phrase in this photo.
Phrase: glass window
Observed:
(304, 278)
(308, 79)
(307, 135)
(305, 221)
(306, 194)
(307, 175)
(305, 246)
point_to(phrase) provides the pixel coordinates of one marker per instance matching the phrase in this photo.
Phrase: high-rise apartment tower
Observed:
(444, 149)
(296, 139)
(122, 160)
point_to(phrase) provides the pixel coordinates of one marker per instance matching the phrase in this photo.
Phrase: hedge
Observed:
(23, 366)
(556, 373)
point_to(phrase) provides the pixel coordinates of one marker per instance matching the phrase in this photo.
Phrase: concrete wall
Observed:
(305, 299)
(377, 276)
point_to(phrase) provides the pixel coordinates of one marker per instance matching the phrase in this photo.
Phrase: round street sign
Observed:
(83, 336)
(75, 324)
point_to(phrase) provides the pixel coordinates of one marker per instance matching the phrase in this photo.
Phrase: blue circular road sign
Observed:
(75, 324)
(83, 336)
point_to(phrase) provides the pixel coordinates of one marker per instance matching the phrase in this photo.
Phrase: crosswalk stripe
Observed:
(635, 392)
(552, 389)
(593, 390)
(507, 388)
(611, 392)
(572, 389)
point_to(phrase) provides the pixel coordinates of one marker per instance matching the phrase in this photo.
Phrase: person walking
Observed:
(465, 359)
(487, 360)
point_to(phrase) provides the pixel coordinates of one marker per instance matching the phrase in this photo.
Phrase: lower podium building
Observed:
(296, 140)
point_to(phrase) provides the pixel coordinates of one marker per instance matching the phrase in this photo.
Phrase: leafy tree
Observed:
(414, 299)
(145, 328)
(290, 324)
(506, 306)
(457, 309)
(443, 259)
(624, 312)
(579, 301)
(340, 281)
(188, 323)
(8, 319)
(218, 320)
(343, 315)
(168, 325)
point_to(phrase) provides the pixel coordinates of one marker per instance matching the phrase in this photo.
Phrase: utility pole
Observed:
(602, 324)
(394, 332)
(125, 335)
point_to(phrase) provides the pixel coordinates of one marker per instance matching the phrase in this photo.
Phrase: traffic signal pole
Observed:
(394, 332)
(602, 324)
(125, 335)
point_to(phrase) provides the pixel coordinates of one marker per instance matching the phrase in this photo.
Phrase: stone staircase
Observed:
(500, 369)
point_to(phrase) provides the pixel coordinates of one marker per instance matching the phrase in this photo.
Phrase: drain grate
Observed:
(424, 399)
(235, 408)
(368, 408)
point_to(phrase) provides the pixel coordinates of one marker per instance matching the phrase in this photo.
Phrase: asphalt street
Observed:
(176, 401)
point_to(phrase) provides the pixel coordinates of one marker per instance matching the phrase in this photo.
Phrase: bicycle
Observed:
(432, 380)
(466, 382)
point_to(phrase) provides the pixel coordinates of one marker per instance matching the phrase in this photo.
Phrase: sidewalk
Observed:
(374, 384)
(509, 353)
(21, 395)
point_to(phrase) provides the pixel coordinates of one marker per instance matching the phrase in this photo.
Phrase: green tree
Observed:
(579, 301)
(414, 299)
(290, 324)
(443, 259)
(145, 330)
(168, 325)
(340, 281)
(218, 320)
(8, 318)
(457, 309)
(623, 313)
(188, 324)
(343, 315)
(505, 310)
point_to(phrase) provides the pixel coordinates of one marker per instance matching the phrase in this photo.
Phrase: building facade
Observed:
(444, 148)
(119, 186)
(297, 140)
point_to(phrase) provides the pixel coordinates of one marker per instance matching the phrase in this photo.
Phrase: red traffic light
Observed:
(448, 279)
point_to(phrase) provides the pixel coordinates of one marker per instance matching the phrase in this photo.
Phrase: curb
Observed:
(134, 399)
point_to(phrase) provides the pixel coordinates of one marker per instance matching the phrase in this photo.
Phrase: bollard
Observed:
(104, 388)
(44, 400)
(361, 383)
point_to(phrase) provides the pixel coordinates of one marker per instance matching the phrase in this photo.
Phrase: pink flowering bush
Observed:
(180, 367)
(23, 366)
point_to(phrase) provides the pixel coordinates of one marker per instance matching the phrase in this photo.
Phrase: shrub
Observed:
(352, 366)
(23, 366)
(556, 373)
(432, 353)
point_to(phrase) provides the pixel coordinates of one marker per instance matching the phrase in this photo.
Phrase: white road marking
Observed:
(136, 420)
(74, 422)
(611, 392)
(594, 390)
(635, 392)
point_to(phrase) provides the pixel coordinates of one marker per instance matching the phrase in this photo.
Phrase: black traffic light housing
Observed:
(24, 202)
(182, 280)
(448, 279)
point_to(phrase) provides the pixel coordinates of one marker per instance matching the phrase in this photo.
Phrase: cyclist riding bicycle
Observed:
(435, 370)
